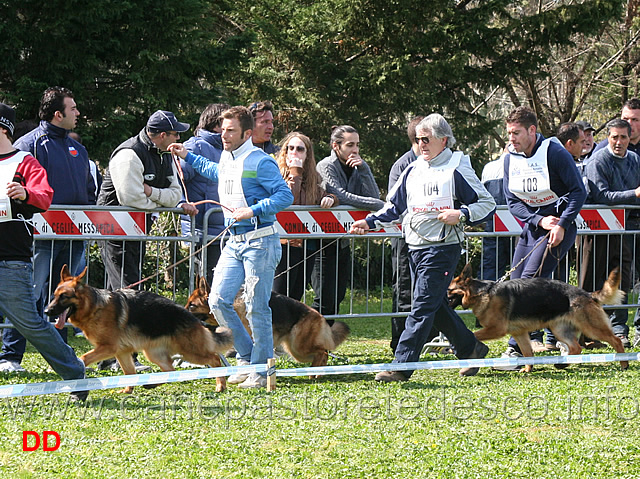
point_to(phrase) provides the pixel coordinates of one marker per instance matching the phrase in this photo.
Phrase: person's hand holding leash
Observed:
(450, 217)
(242, 213)
(550, 223)
(178, 149)
(359, 227)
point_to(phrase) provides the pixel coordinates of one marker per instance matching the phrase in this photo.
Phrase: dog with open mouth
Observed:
(118, 323)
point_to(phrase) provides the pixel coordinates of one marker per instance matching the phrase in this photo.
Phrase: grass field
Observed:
(582, 422)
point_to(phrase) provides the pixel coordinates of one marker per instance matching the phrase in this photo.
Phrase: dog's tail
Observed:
(339, 332)
(222, 337)
(610, 292)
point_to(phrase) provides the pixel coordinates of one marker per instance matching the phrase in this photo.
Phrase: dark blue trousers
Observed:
(432, 269)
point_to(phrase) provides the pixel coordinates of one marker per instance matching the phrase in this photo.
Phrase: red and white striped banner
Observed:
(587, 220)
(81, 223)
(296, 223)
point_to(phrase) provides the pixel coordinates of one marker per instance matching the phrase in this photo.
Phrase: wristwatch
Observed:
(463, 217)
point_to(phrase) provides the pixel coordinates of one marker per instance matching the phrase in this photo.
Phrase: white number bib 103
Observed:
(430, 189)
(8, 169)
(529, 177)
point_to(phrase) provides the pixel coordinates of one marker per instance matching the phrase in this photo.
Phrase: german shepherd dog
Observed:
(118, 323)
(303, 332)
(519, 306)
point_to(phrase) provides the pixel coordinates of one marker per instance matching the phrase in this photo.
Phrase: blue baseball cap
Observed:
(163, 120)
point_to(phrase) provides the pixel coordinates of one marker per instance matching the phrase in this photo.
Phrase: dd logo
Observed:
(46, 446)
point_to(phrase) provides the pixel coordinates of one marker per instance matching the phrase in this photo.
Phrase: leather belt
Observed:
(254, 234)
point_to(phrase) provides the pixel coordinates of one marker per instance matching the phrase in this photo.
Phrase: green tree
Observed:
(374, 64)
(122, 59)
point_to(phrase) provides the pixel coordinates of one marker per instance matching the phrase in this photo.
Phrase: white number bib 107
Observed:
(230, 184)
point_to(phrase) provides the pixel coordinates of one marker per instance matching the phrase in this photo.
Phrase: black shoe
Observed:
(108, 365)
(479, 352)
(78, 396)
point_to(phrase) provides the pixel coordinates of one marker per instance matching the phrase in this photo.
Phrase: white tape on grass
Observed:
(33, 389)
(89, 384)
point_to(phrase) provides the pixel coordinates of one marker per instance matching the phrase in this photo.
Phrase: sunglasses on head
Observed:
(299, 148)
(424, 139)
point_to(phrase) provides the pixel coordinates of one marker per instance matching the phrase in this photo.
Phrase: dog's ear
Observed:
(466, 271)
(64, 273)
(202, 284)
(81, 275)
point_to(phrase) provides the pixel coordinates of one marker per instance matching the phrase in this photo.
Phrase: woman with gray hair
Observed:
(437, 194)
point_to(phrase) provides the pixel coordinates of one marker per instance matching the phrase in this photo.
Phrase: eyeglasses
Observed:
(299, 148)
(424, 139)
(173, 133)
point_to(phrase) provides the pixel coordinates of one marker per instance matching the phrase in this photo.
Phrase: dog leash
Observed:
(508, 273)
(170, 267)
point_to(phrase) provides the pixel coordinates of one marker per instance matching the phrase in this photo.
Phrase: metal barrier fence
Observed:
(369, 281)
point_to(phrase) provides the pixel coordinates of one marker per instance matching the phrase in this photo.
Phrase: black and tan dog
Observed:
(303, 332)
(519, 306)
(118, 323)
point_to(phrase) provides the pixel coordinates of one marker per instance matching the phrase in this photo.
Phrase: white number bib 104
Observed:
(429, 189)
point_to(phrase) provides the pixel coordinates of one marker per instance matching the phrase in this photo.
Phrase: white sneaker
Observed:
(564, 349)
(240, 377)
(181, 363)
(254, 381)
(11, 367)
(509, 353)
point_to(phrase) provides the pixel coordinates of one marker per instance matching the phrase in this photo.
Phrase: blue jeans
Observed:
(17, 302)
(432, 269)
(48, 259)
(254, 263)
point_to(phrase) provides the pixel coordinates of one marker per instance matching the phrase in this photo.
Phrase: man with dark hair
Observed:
(402, 290)
(589, 143)
(631, 114)
(206, 142)
(544, 190)
(571, 135)
(262, 112)
(614, 179)
(142, 175)
(345, 174)
(24, 191)
(253, 191)
(67, 165)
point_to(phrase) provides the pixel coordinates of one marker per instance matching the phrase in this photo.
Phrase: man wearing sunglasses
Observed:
(434, 195)
(142, 175)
